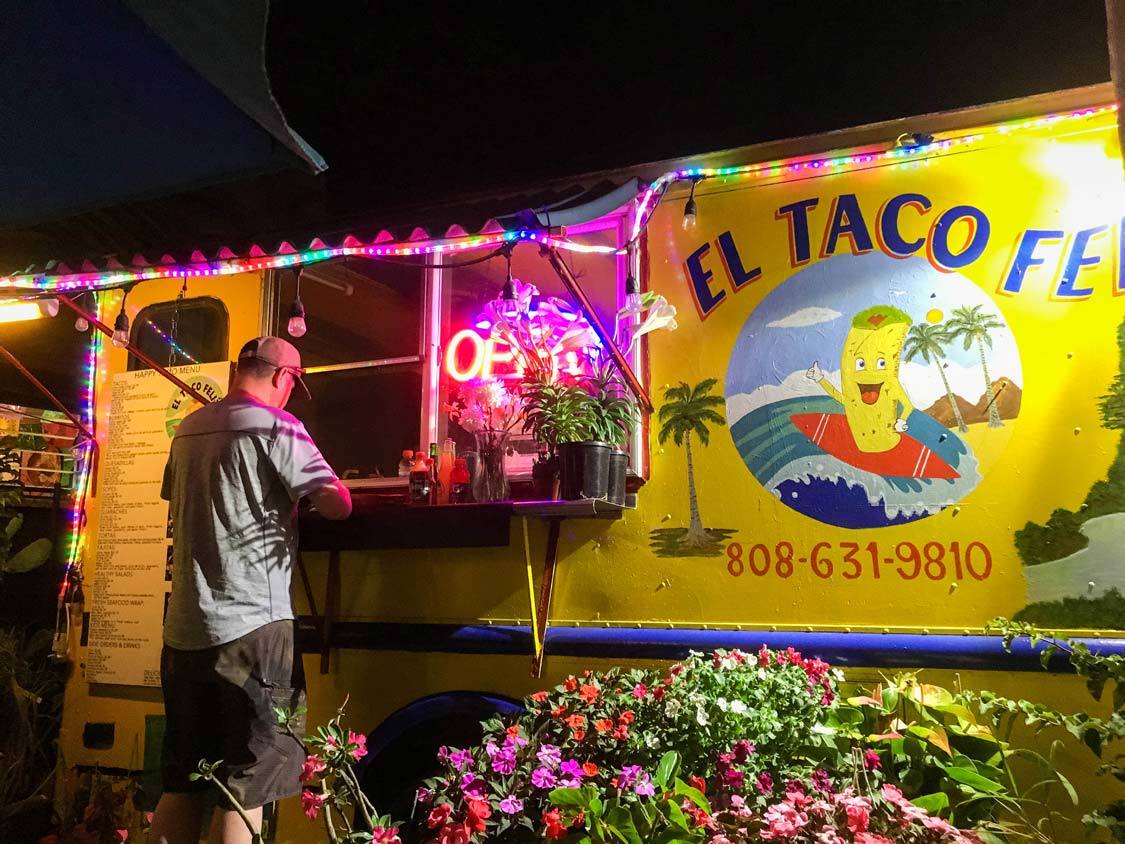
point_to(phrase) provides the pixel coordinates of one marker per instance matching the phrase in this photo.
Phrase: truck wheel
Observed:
(402, 751)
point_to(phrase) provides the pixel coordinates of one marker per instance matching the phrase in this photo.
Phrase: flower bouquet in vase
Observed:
(489, 411)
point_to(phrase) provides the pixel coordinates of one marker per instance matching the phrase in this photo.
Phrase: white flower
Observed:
(761, 673)
(738, 707)
(652, 741)
(723, 704)
(701, 717)
(673, 708)
(838, 675)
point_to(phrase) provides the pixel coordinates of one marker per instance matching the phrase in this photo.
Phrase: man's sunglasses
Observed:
(296, 371)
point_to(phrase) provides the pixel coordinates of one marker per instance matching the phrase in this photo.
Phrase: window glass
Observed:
(179, 332)
(363, 419)
(468, 289)
(355, 310)
(363, 317)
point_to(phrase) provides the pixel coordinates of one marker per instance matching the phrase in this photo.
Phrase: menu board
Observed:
(133, 564)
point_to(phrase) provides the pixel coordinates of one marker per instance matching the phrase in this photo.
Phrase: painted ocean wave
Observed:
(814, 482)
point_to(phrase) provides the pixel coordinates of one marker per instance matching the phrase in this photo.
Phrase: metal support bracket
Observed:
(571, 284)
(546, 588)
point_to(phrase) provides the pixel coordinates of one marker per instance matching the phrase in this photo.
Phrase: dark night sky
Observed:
(405, 103)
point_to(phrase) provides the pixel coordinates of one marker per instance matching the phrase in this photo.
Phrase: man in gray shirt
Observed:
(236, 470)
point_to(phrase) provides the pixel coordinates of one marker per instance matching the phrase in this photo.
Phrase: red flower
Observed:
(576, 721)
(385, 835)
(311, 802)
(455, 833)
(478, 811)
(764, 657)
(658, 693)
(677, 669)
(514, 731)
(557, 711)
(553, 823)
(698, 783)
(588, 693)
(871, 760)
(360, 742)
(627, 716)
(578, 735)
(539, 697)
(621, 733)
(603, 725)
(589, 769)
(570, 684)
(438, 815)
(313, 766)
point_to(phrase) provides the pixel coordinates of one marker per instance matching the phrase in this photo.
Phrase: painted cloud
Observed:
(805, 317)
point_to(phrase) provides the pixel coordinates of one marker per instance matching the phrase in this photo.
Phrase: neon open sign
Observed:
(469, 356)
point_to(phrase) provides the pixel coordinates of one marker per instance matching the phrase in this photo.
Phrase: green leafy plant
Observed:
(614, 413)
(1097, 733)
(943, 750)
(30, 712)
(556, 412)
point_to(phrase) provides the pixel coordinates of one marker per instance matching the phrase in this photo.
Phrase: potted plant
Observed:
(559, 415)
(615, 416)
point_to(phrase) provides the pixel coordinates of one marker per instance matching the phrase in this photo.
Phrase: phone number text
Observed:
(852, 560)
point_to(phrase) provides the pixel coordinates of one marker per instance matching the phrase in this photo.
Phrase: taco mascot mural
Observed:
(871, 433)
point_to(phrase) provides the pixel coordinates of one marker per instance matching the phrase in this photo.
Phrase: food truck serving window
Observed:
(364, 358)
(379, 334)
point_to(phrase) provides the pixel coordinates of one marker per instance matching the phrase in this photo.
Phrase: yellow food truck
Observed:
(913, 331)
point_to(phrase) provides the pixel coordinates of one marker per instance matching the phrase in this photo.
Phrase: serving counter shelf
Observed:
(379, 523)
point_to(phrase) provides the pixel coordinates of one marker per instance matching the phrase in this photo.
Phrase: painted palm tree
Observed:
(972, 326)
(928, 342)
(688, 411)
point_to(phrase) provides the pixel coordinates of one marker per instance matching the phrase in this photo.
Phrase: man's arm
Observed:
(333, 501)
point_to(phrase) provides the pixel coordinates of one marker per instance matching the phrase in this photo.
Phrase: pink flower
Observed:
(313, 766)
(644, 787)
(424, 796)
(872, 838)
(937, 823)
(765, 782)
(549, 756)
(473, 787)
(331, 743)
(543, 778)
(121, 835)
(360, 742)
(784, 822)
(858, 810)
(742, 750)
(511, 805)
(385, 835)
(311, 802)
(460, 758)
(829, 836)
(639, 691)
(871, 760)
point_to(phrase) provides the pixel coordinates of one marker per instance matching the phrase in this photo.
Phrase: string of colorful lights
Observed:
(169, 342)
(777, 169)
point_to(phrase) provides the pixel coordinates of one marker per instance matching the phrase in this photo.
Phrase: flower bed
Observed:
(723, 748)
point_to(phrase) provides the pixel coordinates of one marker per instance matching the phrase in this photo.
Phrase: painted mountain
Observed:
(1007, 394)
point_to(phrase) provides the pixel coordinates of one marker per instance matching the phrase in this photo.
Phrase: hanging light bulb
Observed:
(121, 330)
(297, 325)
(509, 302)
(632, 293)
(121, 325)
(81, 324)
(690, 215)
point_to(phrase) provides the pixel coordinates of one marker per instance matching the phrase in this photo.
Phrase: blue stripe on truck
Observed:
(846, 650)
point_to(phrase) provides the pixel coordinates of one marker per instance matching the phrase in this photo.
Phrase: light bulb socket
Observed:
(689, 208)
(297, 309)
(632, 286)
(121, 323)
(508, 293)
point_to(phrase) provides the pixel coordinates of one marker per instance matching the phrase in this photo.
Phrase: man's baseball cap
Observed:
(278, 353)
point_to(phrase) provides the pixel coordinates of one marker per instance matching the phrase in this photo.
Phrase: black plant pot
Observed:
(544, 479)
(584, 470)
(618, 470)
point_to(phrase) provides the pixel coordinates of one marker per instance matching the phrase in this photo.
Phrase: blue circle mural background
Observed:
(848, 385)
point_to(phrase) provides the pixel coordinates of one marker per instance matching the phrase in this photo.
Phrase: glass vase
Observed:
(490, 481)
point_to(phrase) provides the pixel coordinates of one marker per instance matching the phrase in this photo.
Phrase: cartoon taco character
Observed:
(875, 403)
